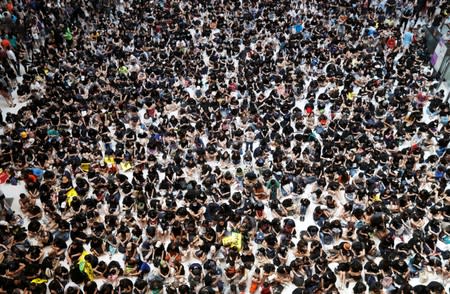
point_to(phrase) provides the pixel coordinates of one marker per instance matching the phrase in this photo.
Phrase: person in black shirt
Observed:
(407, 13)
(74, 251)
(400, 268)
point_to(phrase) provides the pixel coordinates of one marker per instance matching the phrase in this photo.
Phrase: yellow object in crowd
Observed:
(234, 240)
(86, 266)
(109, 159)
(72, 193)
(39, 281)
(125, 166)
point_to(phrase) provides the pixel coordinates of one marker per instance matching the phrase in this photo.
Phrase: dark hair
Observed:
(90, 287)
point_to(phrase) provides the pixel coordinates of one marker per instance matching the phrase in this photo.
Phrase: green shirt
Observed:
(68, 35)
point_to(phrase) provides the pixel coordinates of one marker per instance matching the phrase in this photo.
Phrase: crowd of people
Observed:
(223, 147)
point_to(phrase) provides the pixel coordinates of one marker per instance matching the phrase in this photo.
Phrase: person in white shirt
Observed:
(13, 60)
(249, 139)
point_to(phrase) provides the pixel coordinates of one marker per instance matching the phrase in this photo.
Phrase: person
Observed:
(419, 7)
(249, 139)
(265, 288)
(13, 60)
(407, 13)
(407, 40)
(256, 281)
(5, 89)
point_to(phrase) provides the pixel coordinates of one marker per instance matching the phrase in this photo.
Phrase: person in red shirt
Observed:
(5, 43)
(266, 289)
(9, 6)
(391, 43)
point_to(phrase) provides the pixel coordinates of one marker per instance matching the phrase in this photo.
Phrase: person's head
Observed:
(359, 287)
(90, 287)
(72, 290)
(140, 286)
(107, 288)
(56, 287)
(126, 286)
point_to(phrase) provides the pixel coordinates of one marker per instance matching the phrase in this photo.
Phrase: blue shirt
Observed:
(407, 38)
(298, 28)
(37, 172)
(371, 31)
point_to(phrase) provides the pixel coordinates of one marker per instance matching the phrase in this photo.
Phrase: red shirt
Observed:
(5, 43)
(391, 43)
(266, 290)
(10, 7)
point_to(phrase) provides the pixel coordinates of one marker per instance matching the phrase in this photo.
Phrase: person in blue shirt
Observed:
(408, 38)
(371, 31)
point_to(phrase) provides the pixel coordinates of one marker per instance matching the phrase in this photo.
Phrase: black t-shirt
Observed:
(225, 190)
(177, 230)
(309, 283)
(78, 234)
(64, 225)
(209, 279)
(247, 257)
(195, 207)
(220, 228)
(371, 267)
(128, 201)
(31, 269)
(328, 278)
(356, 266)
(60, 243)
(400, 267)
(202, 197)
(271, 240)
(96, 243)
(357, 247)
(235, 156)
(190, 195)
(391, 3)
(47, 263)
(75, 250)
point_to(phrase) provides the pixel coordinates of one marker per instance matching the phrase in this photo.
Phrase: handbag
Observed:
(423, 276)
(386, 282)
